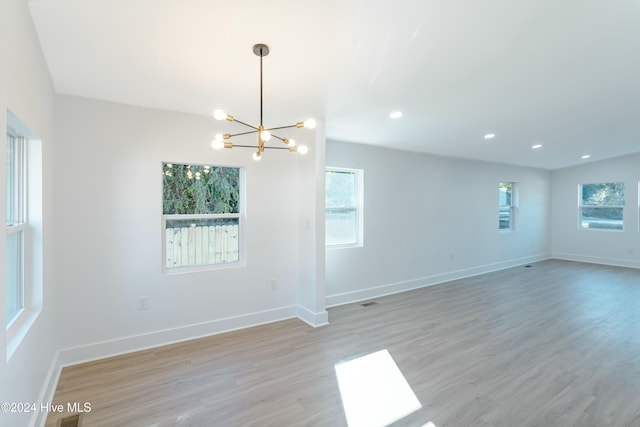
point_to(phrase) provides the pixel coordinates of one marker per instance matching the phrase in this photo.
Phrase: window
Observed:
(343, 206)
(602, 206)
(23, 231)
(15, 224)
(505, 205)
(202, 215)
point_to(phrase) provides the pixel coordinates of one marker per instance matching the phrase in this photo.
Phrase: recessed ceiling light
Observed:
(586, 156)
(396, 114)
(535, 147)
(490, 135)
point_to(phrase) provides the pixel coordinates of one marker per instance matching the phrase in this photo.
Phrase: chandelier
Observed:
(264, 134)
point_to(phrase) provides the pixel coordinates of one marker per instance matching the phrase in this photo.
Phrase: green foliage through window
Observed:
(607, 194)
(199, 189)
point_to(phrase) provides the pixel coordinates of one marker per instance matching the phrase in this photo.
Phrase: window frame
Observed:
(511, 207)
(17, 220)
(357, 208)
(581, 206)
(240, 216)
(33, 244)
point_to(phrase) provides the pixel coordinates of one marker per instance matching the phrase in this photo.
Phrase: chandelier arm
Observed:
(246, 124)
(283, 127)
(265, 147)
(243, 133)
(244, 146)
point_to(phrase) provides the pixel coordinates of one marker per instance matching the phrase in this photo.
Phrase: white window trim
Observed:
(358, 208)
(31, 190)
(242, 241)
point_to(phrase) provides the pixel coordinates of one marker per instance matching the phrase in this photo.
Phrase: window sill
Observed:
(606, 230)
(203, 268)
(344, 246)
(19, 328)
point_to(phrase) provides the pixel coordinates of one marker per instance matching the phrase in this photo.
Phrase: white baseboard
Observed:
(101, 350)
(39, 418)
(597, 260)
(311, 318)
(394, 288)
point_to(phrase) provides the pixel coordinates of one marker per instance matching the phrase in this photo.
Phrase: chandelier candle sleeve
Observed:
(264, 134)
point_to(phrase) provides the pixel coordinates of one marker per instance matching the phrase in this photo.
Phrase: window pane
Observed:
(11, 175)
(14, 274)
(341, 226)
(607, 194)
(504, 218)
(340, 188)
(504, 193)
(602, 218)
(199, 189)
(201, 241)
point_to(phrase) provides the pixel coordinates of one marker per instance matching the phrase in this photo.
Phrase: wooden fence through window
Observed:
(201, 245)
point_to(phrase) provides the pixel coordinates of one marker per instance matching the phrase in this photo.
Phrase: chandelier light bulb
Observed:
(257, 156)
(310, 124)
(291, 142)
(265, 135)
(219, 115)
(302, 149)
(217, 142)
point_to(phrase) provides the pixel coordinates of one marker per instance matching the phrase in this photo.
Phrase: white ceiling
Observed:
(561, 73)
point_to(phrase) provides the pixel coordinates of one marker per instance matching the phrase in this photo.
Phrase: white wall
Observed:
(428, 219)
(311, 291)
(26, 90)
(606, 247)
(109, 205)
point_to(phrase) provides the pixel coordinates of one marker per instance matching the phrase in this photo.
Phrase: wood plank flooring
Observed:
(556, 344)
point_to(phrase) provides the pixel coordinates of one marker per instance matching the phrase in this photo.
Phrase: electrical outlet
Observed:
(143, 303)
(274, 284)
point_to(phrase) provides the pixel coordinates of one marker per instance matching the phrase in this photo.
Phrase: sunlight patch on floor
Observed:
(374, 391)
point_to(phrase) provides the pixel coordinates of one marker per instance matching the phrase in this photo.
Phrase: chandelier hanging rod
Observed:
(264, 134)
(261, 50)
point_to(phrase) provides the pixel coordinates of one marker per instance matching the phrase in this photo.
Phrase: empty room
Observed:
(337, 213)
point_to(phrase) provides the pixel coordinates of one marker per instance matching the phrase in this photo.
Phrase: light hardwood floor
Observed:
(556, 344)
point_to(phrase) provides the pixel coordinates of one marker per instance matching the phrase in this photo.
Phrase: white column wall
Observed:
(311, 280)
